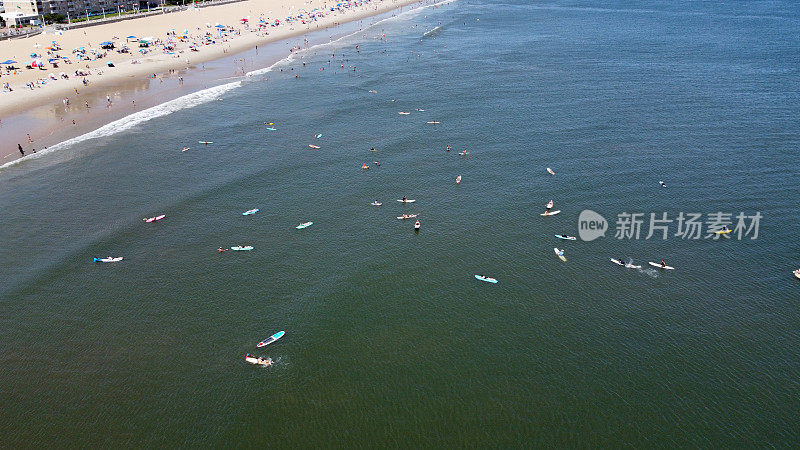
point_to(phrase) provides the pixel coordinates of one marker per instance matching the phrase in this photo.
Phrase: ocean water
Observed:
(390, 341)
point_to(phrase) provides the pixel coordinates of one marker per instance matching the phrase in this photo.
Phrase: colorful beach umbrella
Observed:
(9, 61)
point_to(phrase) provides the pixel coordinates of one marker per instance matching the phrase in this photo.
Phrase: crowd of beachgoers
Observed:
(51, 62)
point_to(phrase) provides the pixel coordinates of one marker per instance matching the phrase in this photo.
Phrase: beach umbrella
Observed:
(131, 37)
(220, 26)
(9, 61)
(53, 59)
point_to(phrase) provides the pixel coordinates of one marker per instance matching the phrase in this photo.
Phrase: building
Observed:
(25, 7)
(19, 19)
(19, 12)
(78, 8)
(70, 8)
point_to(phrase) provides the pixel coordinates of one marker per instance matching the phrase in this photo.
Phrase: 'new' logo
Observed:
(591, 225)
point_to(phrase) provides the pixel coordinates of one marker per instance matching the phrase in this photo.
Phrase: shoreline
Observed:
(49, 121)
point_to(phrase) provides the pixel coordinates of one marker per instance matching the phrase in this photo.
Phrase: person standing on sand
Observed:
(21, 151)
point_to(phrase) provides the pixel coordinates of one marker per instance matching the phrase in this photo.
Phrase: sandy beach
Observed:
(38, 103)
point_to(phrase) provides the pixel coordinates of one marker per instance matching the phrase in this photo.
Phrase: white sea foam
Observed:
(128, 122)
(404, 15)
(411, 13)
(432, 32)
(291, 57)
(257, 72)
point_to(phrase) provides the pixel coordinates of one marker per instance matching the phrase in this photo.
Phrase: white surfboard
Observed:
(551, 213)
(660, 266)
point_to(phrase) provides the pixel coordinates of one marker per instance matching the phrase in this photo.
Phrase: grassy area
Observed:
(107, 16)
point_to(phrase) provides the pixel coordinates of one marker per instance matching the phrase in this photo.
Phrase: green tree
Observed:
(55, 18)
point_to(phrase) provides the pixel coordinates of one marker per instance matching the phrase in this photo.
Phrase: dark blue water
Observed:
(390, 341)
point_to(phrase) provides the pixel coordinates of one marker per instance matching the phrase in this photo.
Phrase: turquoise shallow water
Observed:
(389, 338)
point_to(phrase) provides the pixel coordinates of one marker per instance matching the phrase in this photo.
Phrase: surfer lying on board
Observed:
(220, 249)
